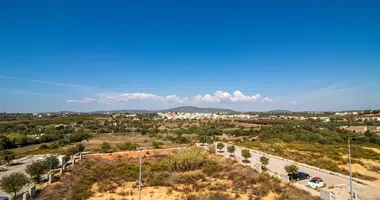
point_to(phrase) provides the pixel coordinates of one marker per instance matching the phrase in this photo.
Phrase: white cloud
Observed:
(217, 97)
(84, 100)
(294, 102)
(221, 96)
(266, 99)
(175, 99)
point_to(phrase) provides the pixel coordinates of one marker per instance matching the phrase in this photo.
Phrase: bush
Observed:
(62, 142)
(210, 167)
(43, 146)
(105, 147)
(53, 146)
(127, 146)
(51, 162)
(246, 154)
(220, 146)
(191, 158)
(157, 145)
(80, 147)
(231, 149)
(291, 169)
(13, 182)
(158, 179)
(190, 178)
(264, 161)
(7, 156)
(210, 196)
(79, 136)
(71, 151)
(36, 170)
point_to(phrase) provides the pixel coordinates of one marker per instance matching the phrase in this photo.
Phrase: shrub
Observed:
(51, 162)
(157, 145)
(220, 146)
(264, 161)
(156, 166)
(7, 156)
(53, 146)
(291, 169)
(62, 142)
(190, 178)
(36, 170)
(210, 167)
(13, 182)
(127, 146)
(78, 136)
(191, 158)
(80, 147)
(210, 196)
(231, 149)
(105, 147)
(43, 146)
(246, 154)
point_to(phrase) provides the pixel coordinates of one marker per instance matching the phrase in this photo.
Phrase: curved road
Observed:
(276, 165)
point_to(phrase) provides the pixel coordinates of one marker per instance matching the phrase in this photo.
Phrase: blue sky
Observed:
(244, 55)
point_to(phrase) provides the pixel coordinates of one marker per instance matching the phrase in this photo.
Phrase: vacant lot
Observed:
(185, 174)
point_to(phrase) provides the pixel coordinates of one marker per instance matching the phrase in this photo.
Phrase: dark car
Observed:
(4, 198)
(299, 176)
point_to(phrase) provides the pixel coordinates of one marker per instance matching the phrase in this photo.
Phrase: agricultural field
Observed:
(185, 174)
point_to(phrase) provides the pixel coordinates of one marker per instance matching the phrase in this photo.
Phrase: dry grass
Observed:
(114, 177)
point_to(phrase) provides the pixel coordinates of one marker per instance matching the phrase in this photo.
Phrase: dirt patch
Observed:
(373, 149)
(129, 191)
(270, 196)
(362, 170)
(132, 154)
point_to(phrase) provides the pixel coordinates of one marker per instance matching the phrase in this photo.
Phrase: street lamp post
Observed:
(349, 161)
(140, 175)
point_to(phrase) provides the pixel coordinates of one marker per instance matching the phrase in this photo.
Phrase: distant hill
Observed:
(279, 111)
(193, 109)
(188, 109)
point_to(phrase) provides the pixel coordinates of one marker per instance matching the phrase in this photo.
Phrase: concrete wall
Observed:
(325, 195)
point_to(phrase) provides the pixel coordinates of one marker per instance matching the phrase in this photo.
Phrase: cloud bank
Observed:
(217, 97)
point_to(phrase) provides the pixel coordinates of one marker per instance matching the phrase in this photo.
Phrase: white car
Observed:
(316, 182)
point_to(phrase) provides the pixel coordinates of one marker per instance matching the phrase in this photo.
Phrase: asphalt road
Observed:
(20, 167)
(277, 166)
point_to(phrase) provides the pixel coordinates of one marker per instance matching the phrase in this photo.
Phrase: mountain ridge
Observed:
(188, 109)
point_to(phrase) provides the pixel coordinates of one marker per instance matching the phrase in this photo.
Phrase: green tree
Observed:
(264, 161)
(291, 169)
(3, 142)
(7, 156)
(51, 162)
(246, 154)
(220, 146)
(36, 170)
(231, 149)
(13, 182)
(105, 147)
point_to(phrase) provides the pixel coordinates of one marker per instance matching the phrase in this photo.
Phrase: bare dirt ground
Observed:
(113, 139)
(362, 170)
(373, 149)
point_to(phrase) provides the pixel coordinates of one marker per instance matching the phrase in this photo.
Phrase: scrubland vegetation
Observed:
(189, 174)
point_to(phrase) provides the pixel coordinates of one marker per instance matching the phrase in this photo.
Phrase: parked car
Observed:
(299, 176)
(4, 198)
(316, 182)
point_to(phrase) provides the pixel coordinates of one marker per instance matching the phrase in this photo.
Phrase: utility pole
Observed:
(349, 160)
(140, 175)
